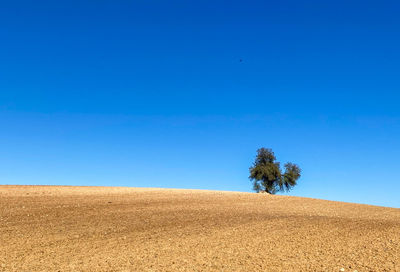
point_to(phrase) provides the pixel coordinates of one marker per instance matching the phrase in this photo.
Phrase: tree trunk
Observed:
(264, 192)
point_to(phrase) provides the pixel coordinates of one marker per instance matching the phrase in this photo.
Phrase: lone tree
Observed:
(267, 176)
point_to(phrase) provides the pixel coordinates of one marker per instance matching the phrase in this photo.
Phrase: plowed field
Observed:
(61, 228)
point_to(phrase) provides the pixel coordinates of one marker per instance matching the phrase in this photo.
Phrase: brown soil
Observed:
(61, 228)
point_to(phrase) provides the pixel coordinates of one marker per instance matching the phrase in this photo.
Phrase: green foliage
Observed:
(267, 176)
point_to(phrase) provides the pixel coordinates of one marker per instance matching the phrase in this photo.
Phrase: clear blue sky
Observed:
(153, 93)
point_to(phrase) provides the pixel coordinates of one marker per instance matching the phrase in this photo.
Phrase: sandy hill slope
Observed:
(60, 228)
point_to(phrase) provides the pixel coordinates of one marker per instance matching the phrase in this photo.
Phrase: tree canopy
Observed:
(267, 176)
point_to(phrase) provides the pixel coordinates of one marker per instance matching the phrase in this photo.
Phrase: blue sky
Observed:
(182, 93)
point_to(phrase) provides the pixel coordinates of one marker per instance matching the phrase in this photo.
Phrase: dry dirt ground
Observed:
(61, 228)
